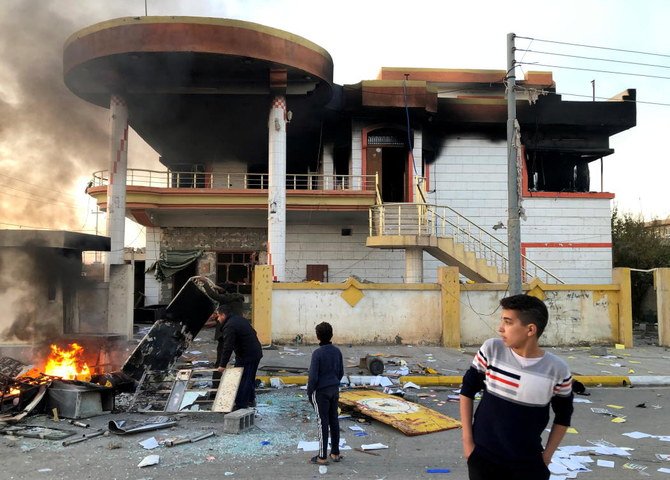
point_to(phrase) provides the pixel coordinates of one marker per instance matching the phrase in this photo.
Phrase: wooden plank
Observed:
(410, 418)
(227, 391)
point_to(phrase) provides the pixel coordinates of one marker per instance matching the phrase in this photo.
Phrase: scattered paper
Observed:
(411, 385)
(637, 435)
(664, 457)
(618, 420)
(605, 463)
(619, 346)
(663, 470)
(153, 460)
(572, 430)
(618, 407)
(150, 443)
(356, 428)
(581, 400)
(372, 446)
(195, 352)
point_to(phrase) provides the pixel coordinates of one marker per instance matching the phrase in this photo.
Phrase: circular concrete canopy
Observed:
(187, 79)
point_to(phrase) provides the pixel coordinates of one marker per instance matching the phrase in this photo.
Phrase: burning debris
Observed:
(71, 381)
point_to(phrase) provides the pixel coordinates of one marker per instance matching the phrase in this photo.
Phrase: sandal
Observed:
(318, 461)
(336, 458)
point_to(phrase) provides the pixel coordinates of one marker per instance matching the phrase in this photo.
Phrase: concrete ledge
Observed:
(603, 380)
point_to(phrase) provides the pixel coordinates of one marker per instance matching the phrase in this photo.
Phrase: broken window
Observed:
(557, 171)
(234, 271)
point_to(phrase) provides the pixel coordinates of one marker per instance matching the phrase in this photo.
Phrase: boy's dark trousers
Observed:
(481, 468)
(324, 401)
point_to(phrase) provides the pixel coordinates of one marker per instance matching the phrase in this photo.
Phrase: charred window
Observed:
(557, 172)
(234, 271)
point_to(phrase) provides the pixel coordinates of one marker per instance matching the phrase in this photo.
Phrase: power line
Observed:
(35, 185)
(594, 70)
(39, 200)
(551, 92)
(53, 200)
(595, 46)
(591, 58)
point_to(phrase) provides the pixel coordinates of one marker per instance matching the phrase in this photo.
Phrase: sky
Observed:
(51, 141)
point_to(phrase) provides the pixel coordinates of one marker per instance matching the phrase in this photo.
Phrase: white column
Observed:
(328, 163)
(418, 185)
(277, 189)
(152, 287)
(413, 265)
(356, 160)
(116, 188)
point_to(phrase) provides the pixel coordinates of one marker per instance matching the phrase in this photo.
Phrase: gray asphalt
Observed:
(269, 449)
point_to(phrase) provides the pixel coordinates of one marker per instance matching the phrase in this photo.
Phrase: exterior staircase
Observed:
(449, 237)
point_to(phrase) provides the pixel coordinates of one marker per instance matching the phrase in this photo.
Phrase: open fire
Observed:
(67, 363)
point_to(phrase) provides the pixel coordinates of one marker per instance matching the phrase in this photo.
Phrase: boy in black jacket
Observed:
(323, 390)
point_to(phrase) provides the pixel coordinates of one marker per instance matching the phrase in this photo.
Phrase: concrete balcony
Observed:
(152, 194)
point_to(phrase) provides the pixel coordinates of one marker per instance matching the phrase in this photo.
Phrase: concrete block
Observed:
(238, 421)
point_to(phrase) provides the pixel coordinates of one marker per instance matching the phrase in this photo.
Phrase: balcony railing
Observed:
(244, 181)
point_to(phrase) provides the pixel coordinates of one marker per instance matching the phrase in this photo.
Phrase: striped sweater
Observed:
(514, 409)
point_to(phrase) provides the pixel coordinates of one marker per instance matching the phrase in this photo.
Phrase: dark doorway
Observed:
(394, 182)
(387, 157)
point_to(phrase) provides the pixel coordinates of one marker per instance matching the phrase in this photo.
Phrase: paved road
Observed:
(285, 419)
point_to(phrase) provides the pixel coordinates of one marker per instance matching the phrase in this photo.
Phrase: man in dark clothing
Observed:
(323, 390)
(234, 333)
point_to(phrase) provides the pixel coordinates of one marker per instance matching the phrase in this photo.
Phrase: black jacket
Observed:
(326, 368)
(237, 335)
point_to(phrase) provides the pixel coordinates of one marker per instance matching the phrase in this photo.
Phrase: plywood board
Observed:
(410, 418)
(227, 391)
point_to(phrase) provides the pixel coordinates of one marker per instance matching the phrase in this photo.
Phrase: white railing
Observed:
(229, 181)
(445, 222)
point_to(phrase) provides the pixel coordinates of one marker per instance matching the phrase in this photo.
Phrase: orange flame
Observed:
(67, 363)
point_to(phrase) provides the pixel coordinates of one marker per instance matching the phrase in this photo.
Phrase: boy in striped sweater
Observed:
(520, 382)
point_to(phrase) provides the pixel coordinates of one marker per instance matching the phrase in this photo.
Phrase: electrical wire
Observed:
(35, 185)
(53, 200)
(551, 92)
(595, 70)
(594, 46)
(61, 205)
(590, 58)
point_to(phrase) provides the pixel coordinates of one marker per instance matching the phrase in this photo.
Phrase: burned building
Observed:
(44, 296)
(268, 161)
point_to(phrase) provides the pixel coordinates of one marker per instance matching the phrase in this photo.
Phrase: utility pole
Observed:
(513, 223)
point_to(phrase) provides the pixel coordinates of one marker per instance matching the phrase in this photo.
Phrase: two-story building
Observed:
(268, 161)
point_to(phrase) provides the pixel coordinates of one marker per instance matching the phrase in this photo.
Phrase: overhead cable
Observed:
(594, 70)
(591, 58)
(595, 46)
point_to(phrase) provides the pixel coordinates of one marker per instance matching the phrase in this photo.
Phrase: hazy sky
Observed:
(51, 141)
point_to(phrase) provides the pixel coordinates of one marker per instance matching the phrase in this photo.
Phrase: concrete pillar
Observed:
(662, 287)
(328, 171)
(152, 287)
(413, 265)
(624, 327)
(277, 189)
(116, 188)
(120, 302)
(450, 288)
(418, 185)
(356, 160)
(261, 308)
